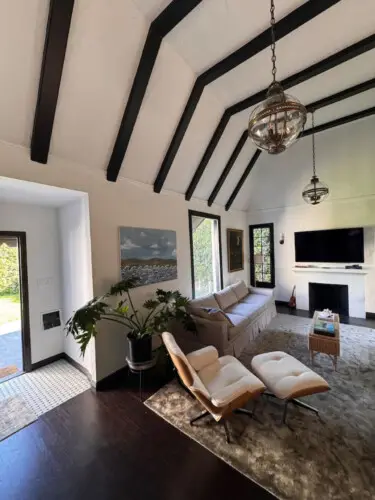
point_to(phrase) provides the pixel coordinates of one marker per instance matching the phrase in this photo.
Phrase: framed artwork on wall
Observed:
(148, 254)
(235, 250)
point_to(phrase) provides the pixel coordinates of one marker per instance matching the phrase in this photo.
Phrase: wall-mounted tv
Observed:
(331, 245)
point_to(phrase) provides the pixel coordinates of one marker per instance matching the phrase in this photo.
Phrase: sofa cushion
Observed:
(226, 298)
(257, 301)
(212, 314)
(240, 289)
(206, 301)
(236, 319)
(242, 309)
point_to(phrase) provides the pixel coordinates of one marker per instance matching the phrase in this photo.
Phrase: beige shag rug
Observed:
(333, 460)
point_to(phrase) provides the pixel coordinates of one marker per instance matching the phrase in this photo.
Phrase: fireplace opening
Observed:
(327, 296)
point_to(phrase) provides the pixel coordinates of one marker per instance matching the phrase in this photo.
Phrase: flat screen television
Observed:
(331, 245)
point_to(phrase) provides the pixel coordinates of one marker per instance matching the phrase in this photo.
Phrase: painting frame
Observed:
(235, 249)
(148, 254)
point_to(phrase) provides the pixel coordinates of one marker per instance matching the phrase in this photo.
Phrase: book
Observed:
(324, 327)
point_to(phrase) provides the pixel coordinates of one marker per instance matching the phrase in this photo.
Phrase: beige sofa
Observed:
(231, 318)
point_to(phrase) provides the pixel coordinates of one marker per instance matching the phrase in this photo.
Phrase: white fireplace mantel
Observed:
(355, 279)
(340, 270)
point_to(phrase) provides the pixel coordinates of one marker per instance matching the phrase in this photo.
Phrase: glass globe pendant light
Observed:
(315, 192)
(277, 122)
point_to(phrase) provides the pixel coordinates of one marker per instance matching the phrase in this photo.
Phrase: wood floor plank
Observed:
(109, 445)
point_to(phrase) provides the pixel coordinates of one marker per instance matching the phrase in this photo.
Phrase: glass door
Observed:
(262, 258)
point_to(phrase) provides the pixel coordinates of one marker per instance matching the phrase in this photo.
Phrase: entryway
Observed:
(15, 356)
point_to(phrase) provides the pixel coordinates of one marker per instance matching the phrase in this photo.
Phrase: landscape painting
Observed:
(148, 254)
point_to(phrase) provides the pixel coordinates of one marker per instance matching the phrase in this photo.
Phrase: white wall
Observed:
(358, 212)
(42, 235)
(76, 271)
(118, 204)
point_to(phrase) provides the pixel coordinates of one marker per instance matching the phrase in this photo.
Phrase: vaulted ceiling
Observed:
(160, 92)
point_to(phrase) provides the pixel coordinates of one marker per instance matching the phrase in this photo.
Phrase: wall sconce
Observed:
(282, 238)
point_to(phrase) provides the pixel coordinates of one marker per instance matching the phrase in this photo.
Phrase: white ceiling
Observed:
(105, 43)
(31, 193)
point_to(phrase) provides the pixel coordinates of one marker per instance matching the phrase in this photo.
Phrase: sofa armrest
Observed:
(212, 333)
(203, 357)
(262, 291)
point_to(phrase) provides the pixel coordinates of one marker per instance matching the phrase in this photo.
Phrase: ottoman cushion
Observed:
(286, 377)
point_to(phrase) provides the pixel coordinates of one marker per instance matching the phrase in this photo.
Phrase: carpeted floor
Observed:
(311, 460)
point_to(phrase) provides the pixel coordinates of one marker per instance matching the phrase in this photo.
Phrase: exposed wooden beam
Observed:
(244, 176)
(340, 121)
(173, 14)
(302, 76)
(228, 167)
(289, 23)
(320, 128)
(57, 32)
(343, 94)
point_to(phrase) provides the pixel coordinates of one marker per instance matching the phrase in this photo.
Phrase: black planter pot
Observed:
(140, 350)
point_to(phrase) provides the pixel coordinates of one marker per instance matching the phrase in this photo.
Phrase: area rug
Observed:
(15, 414)
(8, 370)
(330, 460)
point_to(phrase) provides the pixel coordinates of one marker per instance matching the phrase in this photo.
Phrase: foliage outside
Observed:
(202, 248)
(9, 274)
(10, 308)
(158, 314)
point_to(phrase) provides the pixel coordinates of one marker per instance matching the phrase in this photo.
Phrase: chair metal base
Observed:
(296, 402)
(237, 411)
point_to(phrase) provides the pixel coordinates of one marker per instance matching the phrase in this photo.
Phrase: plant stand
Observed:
(140, 368)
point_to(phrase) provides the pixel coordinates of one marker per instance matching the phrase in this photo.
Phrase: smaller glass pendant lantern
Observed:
(315, 192)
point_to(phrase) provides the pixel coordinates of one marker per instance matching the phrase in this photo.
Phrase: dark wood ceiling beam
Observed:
(284, 27)
(340, 96)
(320, 128)
(57, 32)
(172, 15)
(244, 176)
(340, 121)
(316, 69)
(228, 167)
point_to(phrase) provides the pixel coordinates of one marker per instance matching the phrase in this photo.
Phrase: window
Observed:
(205, 248)
(262, 257)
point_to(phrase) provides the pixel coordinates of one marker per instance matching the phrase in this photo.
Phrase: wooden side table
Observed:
(325, 344)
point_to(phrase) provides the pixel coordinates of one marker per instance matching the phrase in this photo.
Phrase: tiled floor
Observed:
(48, 387)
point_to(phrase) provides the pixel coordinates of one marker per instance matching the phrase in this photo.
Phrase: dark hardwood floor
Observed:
(108, 445)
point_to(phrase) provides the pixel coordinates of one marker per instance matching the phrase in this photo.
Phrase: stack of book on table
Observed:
(324, 324)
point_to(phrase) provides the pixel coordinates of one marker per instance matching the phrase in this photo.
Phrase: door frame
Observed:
(194, 213)
(272, 255)
(24, 296)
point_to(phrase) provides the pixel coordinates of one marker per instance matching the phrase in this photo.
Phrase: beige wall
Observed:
(112, 205)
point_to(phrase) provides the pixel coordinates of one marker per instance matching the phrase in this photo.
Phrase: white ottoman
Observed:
(287, 378)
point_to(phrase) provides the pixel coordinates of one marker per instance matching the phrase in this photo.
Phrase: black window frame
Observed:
(263, 284)
(194, 213)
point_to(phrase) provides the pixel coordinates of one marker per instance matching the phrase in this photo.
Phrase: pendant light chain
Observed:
(313, 142)
(273, 40)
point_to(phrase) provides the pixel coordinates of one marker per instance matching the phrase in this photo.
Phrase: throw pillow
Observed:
(211, 314)
(240, 289)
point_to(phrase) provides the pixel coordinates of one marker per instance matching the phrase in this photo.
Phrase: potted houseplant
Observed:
(156, 316)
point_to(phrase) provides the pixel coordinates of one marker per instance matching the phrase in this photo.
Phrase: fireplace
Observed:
(327, 296)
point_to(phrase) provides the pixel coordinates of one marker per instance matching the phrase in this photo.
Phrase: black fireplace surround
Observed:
(327, 296)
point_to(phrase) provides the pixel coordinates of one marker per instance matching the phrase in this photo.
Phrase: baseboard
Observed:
(63, 355)
(370, 315)
(78, 366)
(47, 361)
(112, 380)
(282, 303)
